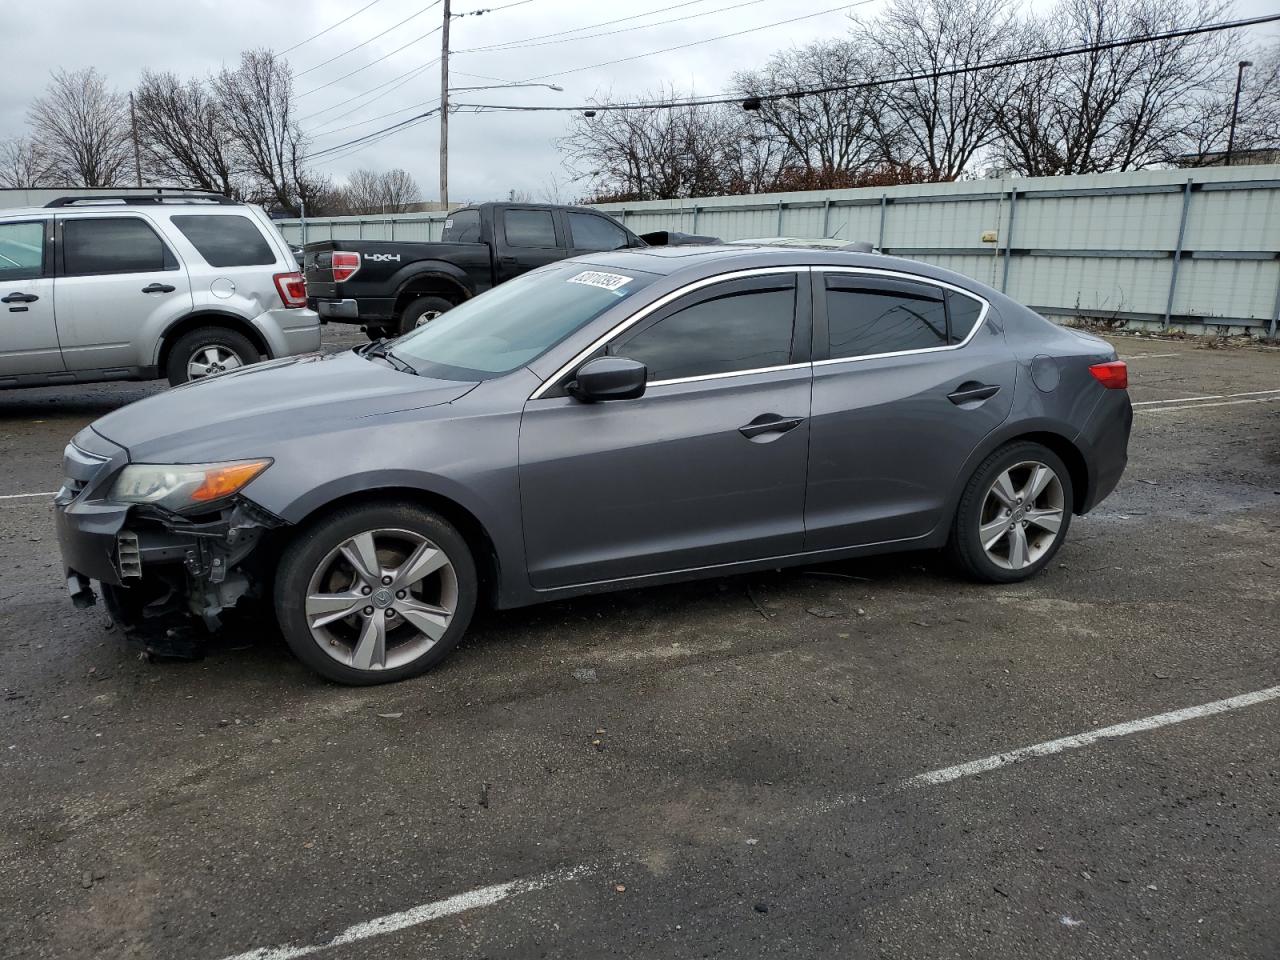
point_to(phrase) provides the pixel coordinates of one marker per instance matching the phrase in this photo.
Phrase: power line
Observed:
(382, 116)
(610, 33)
(406, 76)
(395, 127)
(589, 26)
(370, 63)
(328, 28)
(483, 10)
(695, 43)
(365, 43)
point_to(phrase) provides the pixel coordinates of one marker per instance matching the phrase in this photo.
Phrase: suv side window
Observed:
(867, 316)
(727, 331)
(590, 232)
(22, 250)
(529, 228)
(226, 240)
(96, 245)
(463, 226)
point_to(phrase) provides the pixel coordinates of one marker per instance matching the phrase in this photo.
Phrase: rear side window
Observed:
(21, 250)
(462, 227)
(529, 228)
(964, 311)
(226, 241)
(595, 233)
(113, 245)
(865, 318)
(737, 331)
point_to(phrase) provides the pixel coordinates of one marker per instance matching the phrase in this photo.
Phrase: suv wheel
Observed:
(205, 351)
(1013, 514)
(377, 593)
(422, 311)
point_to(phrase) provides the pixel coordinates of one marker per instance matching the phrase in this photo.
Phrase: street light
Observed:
(1235, 108)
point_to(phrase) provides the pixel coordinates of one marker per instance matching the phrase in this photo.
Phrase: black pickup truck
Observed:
(392, 286)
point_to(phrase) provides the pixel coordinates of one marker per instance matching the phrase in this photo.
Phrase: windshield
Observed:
(507, 327)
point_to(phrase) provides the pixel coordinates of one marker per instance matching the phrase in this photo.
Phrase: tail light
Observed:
(293, 289)
(345, 265)
(1113, 375)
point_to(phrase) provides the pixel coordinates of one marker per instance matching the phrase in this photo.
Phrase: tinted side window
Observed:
(529, 228)
(738, 331)
(863, 321)
(21, 250)
(113, 245)
(595, 233)
(964, 312)
(226, 241)
(462, 227)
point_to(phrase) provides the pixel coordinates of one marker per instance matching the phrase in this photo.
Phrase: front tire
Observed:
(422, 311)
(206, 351)
(375, 594)
(1013, 514)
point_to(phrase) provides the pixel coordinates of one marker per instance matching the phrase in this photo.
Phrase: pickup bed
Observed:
(392, 286)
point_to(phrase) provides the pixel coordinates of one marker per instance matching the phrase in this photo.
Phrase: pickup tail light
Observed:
(1113, 375)
(345, 265)
(293, 289)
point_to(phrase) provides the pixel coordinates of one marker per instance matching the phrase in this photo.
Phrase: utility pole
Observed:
(137, 155)
(1235, 106)
(444, 109)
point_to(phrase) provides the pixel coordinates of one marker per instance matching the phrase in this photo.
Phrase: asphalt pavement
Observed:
(812, 763)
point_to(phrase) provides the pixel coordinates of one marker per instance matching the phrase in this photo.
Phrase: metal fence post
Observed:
(1275, 314)
(1008, 241)
(1177, 253)
(694, 229)
(884, 205)
(826, 217)
(393, 228)
(779, 232)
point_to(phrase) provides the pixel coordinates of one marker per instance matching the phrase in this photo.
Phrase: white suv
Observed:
(139, 287)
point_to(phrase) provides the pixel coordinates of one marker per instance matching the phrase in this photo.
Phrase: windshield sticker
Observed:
(605, 281)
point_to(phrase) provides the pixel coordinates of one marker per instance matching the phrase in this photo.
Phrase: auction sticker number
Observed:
(605, 281)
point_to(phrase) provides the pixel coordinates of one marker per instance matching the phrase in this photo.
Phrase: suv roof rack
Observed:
(142, 198)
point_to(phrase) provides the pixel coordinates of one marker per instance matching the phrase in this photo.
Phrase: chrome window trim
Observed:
(916, 278)
(658, 304)
(726, 374)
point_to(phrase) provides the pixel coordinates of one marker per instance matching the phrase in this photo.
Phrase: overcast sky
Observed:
(489, 153)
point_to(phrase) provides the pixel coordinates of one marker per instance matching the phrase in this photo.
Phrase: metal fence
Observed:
(1178, 248)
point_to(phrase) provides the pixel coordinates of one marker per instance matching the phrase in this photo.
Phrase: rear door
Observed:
(530, 237)
(119, 285)
(909, 378)
(28, 333)
(592, 233)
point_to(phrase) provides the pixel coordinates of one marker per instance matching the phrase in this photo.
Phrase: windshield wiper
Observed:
(381, 349)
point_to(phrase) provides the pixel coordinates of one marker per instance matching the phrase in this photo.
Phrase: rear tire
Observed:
(206, 351)
(422, 311)
(1013, 515)
(341, 616)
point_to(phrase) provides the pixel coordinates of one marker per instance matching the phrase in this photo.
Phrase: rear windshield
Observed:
(226, 240)
(463, 226)
(511, 325)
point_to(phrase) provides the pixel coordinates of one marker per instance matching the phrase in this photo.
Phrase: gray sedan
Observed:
(602, 423)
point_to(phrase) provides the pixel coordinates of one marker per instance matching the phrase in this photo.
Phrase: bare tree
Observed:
(392, 191)
(183, 137)
(24, 164)
(255, 101)
(1258, 117)
(82, 126)
(937, 123)
(400, 191)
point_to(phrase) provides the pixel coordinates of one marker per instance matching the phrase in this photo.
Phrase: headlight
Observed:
(178, 485)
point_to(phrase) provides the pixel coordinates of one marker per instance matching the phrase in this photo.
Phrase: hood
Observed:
(239, 413)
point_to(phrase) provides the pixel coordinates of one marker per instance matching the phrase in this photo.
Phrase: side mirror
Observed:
(609, 378)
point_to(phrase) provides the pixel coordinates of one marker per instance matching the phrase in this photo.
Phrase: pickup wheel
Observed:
(423, 310)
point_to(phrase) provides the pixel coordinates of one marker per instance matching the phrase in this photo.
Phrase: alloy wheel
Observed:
(207, 361)
(381, 599)
(1022, 515)
(426, 317)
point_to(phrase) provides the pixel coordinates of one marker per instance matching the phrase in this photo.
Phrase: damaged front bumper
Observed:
(166, 578)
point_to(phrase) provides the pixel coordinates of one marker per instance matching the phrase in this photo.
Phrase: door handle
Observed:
(158, 288)
(769, 423)
(19, 298)
(972, 391)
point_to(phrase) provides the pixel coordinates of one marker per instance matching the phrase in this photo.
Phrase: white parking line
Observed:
(488, 896)
(1205, 406)
(1210, 396)
(1148, 356)
(25, 496)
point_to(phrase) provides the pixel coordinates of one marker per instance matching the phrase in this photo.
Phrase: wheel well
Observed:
(1072, 457)
(472, 530)
(187, 324)
(434, 286)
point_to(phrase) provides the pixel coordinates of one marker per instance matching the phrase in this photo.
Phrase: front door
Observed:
(707, 468)
(909, 379)
(119, 286)
(28, 333)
